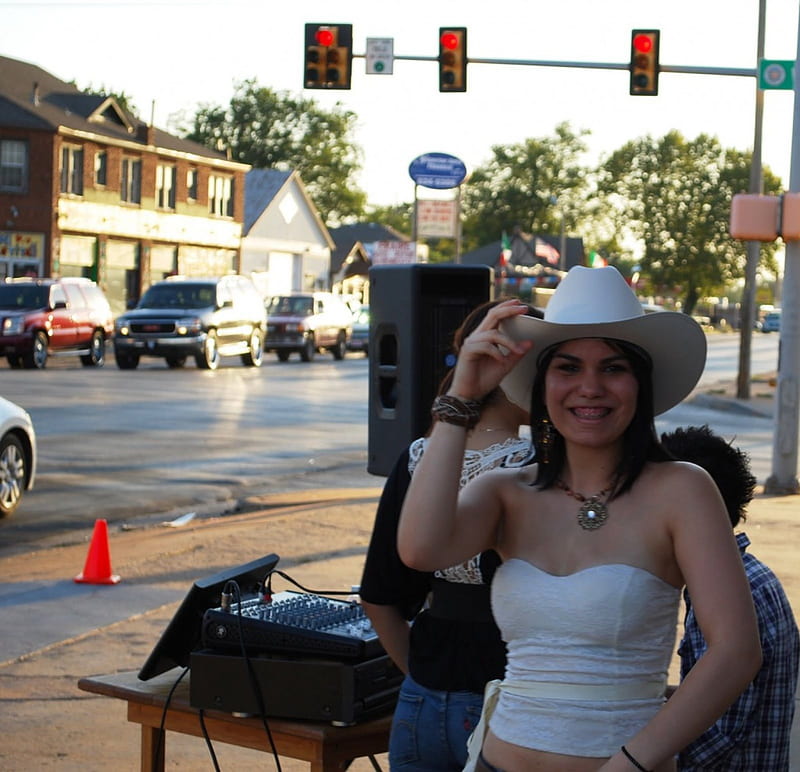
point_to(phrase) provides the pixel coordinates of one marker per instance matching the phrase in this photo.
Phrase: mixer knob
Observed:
(220, 631)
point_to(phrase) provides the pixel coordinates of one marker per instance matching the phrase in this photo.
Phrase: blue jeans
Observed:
(430, 728)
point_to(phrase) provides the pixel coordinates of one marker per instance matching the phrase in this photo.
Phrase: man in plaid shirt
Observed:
(753, 734)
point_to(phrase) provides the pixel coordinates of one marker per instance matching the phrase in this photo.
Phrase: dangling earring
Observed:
(547, 436)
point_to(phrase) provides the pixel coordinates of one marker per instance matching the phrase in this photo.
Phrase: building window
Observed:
(100, 167)
(220, 195)
(13, 165)
(191, 184)
(72, 170)
(165, 186)
(131, 183)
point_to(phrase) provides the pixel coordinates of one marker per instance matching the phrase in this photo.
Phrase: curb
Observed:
(762, 409)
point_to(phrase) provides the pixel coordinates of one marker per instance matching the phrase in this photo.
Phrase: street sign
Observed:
(437, 218)
(380, 56)
(394, 252)
(439, 171)
(776, 74)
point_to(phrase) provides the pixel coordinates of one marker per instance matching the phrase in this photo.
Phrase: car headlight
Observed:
(13, 325)
(122, 327)
(189, 326)
(295, 327)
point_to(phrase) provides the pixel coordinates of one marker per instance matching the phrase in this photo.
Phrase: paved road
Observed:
(123, 445)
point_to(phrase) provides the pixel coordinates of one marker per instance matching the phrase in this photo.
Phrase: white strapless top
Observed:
(605, 628)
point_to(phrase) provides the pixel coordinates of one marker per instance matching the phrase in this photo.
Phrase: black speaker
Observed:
(414, 312)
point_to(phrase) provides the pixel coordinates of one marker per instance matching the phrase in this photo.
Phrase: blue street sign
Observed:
(437, 170)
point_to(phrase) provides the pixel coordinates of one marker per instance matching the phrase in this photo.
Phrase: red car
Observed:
(40, 318)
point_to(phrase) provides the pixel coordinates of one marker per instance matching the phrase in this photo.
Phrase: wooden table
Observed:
(327, 748)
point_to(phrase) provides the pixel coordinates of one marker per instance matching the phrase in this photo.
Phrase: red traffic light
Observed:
(450, 41)
(644, 66)
(452, 59)
(324, 37)
(328, 56)
(643, 43)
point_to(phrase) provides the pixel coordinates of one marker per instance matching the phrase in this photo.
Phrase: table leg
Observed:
(153, 741)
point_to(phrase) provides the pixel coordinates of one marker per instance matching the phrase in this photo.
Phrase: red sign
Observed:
(394, 252)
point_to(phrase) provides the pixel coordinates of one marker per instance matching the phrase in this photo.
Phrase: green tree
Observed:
(275, 130)
(532, 184)
(674, 196)
(397, 216)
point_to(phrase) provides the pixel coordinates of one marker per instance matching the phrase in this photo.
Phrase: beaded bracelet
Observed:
(633, 760)
(452, 410)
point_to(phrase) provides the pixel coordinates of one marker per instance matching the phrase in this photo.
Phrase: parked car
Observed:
(771, 322)
(205, 318)
(17, 455)
(307, 323)
(359, 340)
(40, 318)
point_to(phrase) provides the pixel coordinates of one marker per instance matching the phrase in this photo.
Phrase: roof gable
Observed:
(277, 201)
(260, 188)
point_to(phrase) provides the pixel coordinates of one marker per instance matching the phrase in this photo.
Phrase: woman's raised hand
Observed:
(487, 354)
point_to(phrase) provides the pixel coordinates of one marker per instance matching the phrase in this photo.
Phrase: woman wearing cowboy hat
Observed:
(597, 538)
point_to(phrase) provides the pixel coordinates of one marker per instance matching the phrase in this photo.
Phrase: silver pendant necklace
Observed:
(592, 512)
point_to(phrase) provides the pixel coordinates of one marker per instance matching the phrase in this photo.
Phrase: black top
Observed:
(455, 645)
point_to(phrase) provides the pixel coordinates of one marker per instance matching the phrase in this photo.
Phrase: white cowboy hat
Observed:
(597, 303)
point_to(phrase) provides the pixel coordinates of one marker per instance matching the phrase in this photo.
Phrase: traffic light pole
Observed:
(783, 479)
(747, 316)
(739, 72)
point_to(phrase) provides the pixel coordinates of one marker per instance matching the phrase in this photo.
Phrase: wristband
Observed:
(633, 760)
(452, 410)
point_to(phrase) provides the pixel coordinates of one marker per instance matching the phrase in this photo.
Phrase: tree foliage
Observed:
(397, 216)
(674, 196)
(275, 130)
(531, 184)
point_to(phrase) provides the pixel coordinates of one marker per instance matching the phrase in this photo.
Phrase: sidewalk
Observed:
(56, 631)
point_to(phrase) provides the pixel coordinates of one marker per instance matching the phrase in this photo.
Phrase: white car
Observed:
(17, 455)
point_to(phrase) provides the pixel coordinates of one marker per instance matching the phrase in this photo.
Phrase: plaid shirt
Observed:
(753, 735)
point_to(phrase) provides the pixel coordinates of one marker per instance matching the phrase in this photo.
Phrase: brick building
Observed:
(87, 189)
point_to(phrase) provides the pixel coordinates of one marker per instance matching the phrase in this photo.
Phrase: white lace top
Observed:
(511, 452)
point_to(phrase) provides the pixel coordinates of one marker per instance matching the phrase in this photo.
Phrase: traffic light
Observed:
(329, 56)
(644, 62)
(452, 59)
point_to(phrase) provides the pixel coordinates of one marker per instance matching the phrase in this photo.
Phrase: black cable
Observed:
(305, 589)
(201, 715)
(164, 711)
(251, 673)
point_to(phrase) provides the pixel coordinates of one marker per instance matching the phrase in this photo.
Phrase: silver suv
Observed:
(204, 318)
(307, 323)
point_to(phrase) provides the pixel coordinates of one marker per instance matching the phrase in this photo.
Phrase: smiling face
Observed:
(590, 392)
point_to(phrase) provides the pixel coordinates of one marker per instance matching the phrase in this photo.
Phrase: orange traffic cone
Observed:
(97, 569)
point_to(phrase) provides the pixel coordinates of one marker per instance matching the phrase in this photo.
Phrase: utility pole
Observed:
(783, 479)
(747, 315)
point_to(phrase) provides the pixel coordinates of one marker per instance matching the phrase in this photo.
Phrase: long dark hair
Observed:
(640, 442)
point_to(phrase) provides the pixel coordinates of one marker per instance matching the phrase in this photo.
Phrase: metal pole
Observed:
(783, 479)
(458, 224)
(748, 310)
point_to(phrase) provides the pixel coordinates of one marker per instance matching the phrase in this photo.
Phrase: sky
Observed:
(172, 56)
